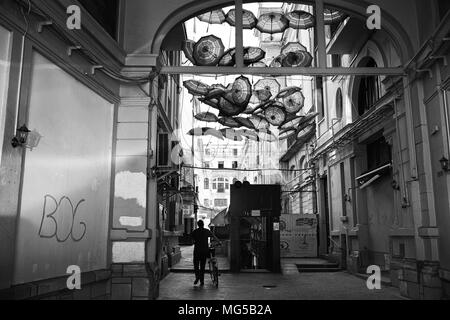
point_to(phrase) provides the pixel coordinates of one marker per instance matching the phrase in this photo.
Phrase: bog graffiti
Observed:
(54, 213)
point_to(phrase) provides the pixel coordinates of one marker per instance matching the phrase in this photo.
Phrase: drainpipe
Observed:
(399, 142)
(446, 114)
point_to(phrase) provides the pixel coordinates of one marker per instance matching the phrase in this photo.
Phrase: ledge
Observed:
(402, 232)
(123, 234)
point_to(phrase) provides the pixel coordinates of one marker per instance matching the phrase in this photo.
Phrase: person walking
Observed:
(201, 251)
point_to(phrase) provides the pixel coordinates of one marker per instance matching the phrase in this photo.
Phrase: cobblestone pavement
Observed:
(300, 286)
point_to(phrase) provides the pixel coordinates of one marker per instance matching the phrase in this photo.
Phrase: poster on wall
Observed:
(298, 236)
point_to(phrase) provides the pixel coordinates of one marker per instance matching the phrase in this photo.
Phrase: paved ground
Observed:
(290, 285)
(186, 264)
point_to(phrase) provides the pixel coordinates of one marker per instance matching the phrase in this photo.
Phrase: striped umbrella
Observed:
(245, 122)
(286, 92)
(196, 88)
(241, 91)
(208, 50)
(277, 62)
(253, 55)
(228, 58)
(271, 85)
(213, 102)
(272, 22)
(249, 20)
(206, 117)
(299, 19)
(228, 108)
(213, 17)
(188, 49)
(333, 16)
(229, 122)
(275, 114)
(259, 122)
(295, 102)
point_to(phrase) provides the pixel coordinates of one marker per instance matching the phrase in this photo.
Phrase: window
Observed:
(206, 202)
(369, 89)
(206, 164)
(221, 165)
(163, 149)
(336, 61)
(206, 184)
(235, 165)
(378, 154)
(221, 184)
(235, 152)
(258, 161)
(220, 202)
(320, 100)
(339, 104)
(293, 173)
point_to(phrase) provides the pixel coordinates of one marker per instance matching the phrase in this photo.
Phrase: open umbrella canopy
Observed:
(215, 92)
(206, 116)
(291, 124)
(213, 102)
(208, 50)
(307, 118)
(271, 85)
(258, 64)
(277, 62)
(295, 102)
(297, 59)
(241, 91)
(263, 94)
(292, 47)
(286, 92)
(245, 122)
(306, 131)
(205, 131)
(253, 55)
(272, 22)
(228, 59)
(249, 20)
(299, 19)
(196, 88)
(213, 17)
(287, 134)
(229, 122)
(333, 16)
(228, 108)
(275, 114)
(188, 49)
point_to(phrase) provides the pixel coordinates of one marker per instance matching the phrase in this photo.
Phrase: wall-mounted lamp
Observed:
(444, 164)
(21, 138)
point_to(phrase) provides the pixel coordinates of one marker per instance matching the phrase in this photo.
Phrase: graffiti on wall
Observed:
(59, 220)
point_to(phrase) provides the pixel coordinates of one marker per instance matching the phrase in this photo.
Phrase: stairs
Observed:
(317, 265)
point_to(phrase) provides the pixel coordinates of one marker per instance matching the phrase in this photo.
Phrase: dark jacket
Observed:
(201, 245)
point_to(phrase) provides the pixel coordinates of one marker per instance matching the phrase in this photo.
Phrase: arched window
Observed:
(206, 184)
(369, 89)
(301, 165)
(339, 104)
(293, 172)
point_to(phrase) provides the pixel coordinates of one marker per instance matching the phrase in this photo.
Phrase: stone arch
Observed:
(391, 26)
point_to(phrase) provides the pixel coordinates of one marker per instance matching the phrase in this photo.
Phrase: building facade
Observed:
(381, 156)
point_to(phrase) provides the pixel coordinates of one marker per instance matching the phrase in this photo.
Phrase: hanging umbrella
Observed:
(208, 50)
(292, 47)
(297, 59)
(249, 20)
(198, 132)
(253, 55)
(308, 118)
(250, 109)
(214, 102)
(277, 62)
(245, 122)
(228, 59)
(295, 102)
(215, 92)
(228, 108)
(291, 124)
(286, 92)
(271, 85)
(333, 16)
(272, 22)
(287, 134)
(188, 49)
(259, 122)
(275, 114)
(229, 122)
(241, 91)
(213, 17)
(306, 132)
(299, 19)
(263, 94)
(196, 88)
(206, 116)
(258, 64)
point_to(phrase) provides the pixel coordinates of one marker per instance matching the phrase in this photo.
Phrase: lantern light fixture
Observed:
(21, 138)
(444, 164)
